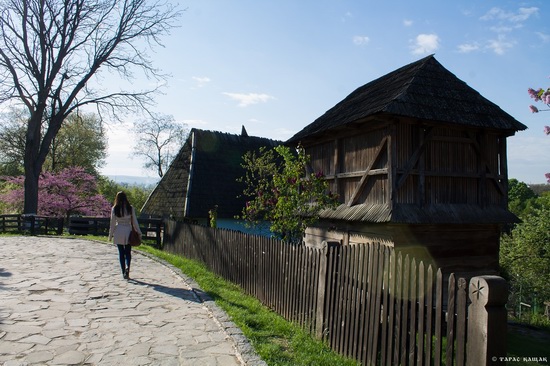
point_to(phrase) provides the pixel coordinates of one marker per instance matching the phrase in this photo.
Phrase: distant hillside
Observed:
(539, 188)
(134, 180)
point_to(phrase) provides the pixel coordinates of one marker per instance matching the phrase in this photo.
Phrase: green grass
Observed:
(277, 341)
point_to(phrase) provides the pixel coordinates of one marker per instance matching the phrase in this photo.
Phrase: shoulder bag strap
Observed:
(132, 218)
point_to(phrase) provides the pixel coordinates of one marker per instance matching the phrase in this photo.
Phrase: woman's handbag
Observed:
(135, 238)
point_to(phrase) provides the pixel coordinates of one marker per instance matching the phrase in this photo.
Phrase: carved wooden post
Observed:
(487, 326)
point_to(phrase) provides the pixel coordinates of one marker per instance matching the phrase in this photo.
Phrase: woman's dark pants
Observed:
(125, 256)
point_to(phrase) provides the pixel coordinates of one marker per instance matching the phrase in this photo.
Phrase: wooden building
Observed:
(418, 159)
(203, 176)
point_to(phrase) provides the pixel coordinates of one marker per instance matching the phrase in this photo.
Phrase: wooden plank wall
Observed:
(367, 301)
(344, 162)
(433, 165)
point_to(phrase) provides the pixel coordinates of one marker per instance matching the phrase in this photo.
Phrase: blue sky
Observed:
(275, 66)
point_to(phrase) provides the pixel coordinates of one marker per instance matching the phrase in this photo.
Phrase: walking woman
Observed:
(122, 218)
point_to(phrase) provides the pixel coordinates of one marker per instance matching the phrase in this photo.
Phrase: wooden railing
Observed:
(366, 301)
(152, 229)
(33, 224)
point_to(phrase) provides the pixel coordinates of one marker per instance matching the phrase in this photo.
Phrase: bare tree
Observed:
(54, 52)
(158, 140)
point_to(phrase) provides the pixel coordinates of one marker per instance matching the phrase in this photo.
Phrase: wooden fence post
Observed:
(320, 321)
(487, 327)
(321, 289)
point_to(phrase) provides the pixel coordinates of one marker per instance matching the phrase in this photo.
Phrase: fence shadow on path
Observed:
(4, 273)
(180, 293)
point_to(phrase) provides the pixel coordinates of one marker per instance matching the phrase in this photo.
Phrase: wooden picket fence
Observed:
(386, 309)
(367, 301)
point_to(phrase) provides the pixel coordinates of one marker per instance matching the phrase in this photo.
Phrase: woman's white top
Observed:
(120, 227)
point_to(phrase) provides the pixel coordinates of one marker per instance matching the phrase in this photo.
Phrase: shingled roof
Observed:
(204, 174)
(423, 89)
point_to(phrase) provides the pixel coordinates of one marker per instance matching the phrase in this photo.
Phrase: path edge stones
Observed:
(244, 349)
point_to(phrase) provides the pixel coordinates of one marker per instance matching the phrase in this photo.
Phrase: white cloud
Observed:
(492, 14)
(407, 22)
(468, 47)
(348, 15)
(500, 45)
(520, 16)
(504, 23)
(195, 122)
(543, 37)
(524, 14)
(425, 43)
(248, 99)
(503, 28)
(361, 40)
(201, 81)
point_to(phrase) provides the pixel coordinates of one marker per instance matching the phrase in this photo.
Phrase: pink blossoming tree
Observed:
(541, 95)
(71, 191)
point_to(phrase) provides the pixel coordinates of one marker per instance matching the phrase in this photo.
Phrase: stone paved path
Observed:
(64, 302)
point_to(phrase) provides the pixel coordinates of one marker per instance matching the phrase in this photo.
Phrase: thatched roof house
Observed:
(204, 175)
(418, 159)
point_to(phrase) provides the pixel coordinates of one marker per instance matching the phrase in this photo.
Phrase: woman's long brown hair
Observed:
(122, 205)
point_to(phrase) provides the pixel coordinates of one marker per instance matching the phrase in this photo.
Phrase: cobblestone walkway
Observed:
(64, 302)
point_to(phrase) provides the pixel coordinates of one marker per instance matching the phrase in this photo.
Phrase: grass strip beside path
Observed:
(277, 341)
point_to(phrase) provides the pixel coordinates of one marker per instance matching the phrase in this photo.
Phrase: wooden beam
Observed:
(337, 165)
(359, 173)
(435, 173)
(462, 140)
(485, 168)
(363, 126)
(422, 176)
(503, 170)
(414, 158)
(392, 161)
(365, 176)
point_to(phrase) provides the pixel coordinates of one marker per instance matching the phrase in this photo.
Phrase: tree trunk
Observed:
(31, 192)
(32, 164)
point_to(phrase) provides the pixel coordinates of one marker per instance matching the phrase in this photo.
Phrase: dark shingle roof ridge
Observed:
(416, 64)
(367, 88)
(426, 73)
(233, 135)
(423, 89)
